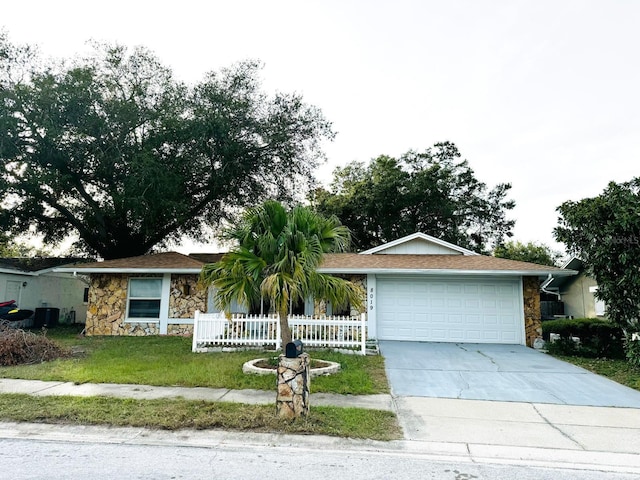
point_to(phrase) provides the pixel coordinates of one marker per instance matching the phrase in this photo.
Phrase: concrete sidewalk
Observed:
(147, 392)
(595, 438)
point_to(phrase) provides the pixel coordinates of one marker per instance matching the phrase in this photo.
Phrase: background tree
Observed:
(11, 248)
(434, 192)
(114, 149)
(277, 254)
(604, 232)
(529, 252)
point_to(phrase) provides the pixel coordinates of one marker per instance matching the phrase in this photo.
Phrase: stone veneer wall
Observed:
(320, 307)
(108, 306)
(185, 306)
(532, 316)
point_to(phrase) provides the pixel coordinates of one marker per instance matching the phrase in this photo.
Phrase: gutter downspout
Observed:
(547, 282)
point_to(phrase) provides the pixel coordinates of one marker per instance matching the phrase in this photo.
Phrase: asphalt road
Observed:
(31, 458)
(52, 453)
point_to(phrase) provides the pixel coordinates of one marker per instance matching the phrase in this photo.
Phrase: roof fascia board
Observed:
(435, 271)
(571, 260)
(18, 272)
(81, 271)
(422, 236)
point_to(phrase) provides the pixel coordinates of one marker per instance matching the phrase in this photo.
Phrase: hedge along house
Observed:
(417, 288)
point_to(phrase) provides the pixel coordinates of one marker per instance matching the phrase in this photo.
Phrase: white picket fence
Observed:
(216, 330)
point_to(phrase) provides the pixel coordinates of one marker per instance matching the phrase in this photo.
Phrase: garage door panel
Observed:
(445, 310)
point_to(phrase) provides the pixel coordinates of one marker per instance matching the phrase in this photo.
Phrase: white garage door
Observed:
(470, 310)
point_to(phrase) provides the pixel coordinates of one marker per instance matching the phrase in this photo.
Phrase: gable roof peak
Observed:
(419, 236)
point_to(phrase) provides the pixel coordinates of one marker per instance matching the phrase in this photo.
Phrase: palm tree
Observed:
(277, 257)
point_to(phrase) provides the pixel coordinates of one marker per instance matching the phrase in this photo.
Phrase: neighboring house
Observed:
(416, 288)
(576, 292)
(34, 285)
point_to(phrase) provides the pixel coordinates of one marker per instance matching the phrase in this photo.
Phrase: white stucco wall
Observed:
(54, 290)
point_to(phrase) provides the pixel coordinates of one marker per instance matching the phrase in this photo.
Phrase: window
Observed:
(298, 308)
(342, 310)
(144, 298)
(599, 305)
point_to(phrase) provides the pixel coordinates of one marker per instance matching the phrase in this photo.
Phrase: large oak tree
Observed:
(114, 149)
(434, 192)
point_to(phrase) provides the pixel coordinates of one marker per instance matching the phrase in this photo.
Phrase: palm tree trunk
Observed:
(284, 327)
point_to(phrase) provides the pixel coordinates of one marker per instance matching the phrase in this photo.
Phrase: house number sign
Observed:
(371, 298)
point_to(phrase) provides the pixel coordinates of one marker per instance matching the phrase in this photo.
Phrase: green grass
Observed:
(183, 414)
(617, 370)
(166, 361)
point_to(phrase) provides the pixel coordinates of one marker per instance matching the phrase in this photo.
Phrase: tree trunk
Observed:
(284, 328)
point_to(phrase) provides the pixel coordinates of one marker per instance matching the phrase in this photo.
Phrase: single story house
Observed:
(416, 288)
(576, 292)
(34, 285)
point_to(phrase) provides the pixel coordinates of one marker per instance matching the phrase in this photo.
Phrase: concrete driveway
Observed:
(510, 373)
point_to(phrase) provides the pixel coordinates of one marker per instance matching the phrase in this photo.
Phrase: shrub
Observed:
(633, 351)
(18, 347)
(598, 338)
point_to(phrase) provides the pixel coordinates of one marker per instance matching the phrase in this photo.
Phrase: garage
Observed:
(441, 309)
(420, 288)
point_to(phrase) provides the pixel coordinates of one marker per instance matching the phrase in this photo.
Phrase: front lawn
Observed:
(166, 361)
(617, 370)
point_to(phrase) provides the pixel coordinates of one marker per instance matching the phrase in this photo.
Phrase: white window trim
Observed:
(145, 320)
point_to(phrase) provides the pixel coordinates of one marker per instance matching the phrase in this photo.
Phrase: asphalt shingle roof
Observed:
(341, 262)
(35, 264)
(166, 260)
(356, 261)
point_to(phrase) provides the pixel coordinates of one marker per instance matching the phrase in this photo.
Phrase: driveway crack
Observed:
(490, 359)
(465, 387)
(564, 434)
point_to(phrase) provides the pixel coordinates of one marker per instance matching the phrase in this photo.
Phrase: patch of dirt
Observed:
(272, 364)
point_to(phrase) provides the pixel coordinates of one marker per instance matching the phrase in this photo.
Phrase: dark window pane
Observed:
(144, 308)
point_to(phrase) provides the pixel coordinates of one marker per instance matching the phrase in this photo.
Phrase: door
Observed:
(474, 310)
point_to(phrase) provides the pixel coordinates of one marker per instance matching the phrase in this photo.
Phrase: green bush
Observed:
(633, 352)
(598, 338)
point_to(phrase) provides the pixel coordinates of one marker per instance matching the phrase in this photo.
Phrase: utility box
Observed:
(46, 317)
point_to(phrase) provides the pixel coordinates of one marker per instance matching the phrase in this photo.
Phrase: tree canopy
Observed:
(604, 232)
(435, 192)
(529, 252)
(114, 149)
(276, 257)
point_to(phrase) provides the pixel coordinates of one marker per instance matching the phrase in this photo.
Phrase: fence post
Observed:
(363, 332)
(194, 341)
(278, 333)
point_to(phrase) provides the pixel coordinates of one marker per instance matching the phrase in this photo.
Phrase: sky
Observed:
(544, 95)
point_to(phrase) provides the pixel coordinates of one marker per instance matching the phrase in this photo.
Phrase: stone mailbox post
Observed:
(293, 382)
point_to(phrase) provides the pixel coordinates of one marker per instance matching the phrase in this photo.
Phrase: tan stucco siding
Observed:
(579, 302)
